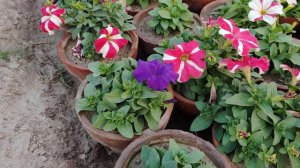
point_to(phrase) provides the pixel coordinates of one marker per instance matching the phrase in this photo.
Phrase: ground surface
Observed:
(38, 125)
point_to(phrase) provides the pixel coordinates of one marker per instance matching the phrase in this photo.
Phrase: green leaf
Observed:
(144, 3)
(200, 123)
(95, 68)
(150, 159)
(174, 147)
(295, 58)
(240, 99)
(90, 90)
(164, 24)
(83, 104)
(194, 156)
(273, 50)
(164, 14)
(98, 121)
(277, 136)
(202, 106)
(169, 164)
(186, 16)
(229, 147)
(153, 23)
(148, 94)
(126, 130)
(109, 126)
(256, 122)
(139, 124)
(114, 96)
(152, 124)
(156, 113)
(267, 109)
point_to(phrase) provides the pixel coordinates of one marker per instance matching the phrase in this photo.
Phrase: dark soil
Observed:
(150, 34)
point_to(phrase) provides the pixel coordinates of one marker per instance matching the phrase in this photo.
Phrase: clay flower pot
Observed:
(186, 105)
(209, 8)
(147, 44)
(162, 137)
(81, 72)
(196, 5)
(114, 141)
(131, 11)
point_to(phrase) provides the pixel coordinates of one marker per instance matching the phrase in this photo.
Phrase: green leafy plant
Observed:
(174, 156)
(170, 15)
(121, 103)
(143, 3)
(87, 17)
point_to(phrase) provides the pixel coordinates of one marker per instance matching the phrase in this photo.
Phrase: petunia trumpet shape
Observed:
(246, 62)
(187, 59)
(292, 2)
(156, 74)
(110, 42)
(293, 71)
(242, 40)
(265, 10)
(51, 18)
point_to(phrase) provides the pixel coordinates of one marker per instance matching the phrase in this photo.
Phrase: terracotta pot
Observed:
(146, 44)
(183, 138)
(114, 141)
(185, 105)
(81, 72)
(290, 20)
(209, 8)
(196, 5)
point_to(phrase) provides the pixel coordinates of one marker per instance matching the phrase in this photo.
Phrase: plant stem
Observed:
(226, 44)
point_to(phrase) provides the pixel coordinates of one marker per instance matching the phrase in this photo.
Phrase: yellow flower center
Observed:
(108, 37)
(184, 57)
(263, 12)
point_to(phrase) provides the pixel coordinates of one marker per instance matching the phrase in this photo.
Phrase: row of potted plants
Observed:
(254, 115)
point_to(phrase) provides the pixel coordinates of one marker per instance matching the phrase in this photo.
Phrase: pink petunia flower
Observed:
(187, 59)
(51, 18)
(246, 62)
(110, 42)
(242, 40)
(293, 71)
(211, 21)
(266, 10)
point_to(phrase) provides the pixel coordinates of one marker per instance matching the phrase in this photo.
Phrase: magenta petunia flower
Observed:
(265, 10)
(110, 42)
(187, 59)
(293, 71)
(262, 64)
(242, 40)
(156, 74)
(51, 18)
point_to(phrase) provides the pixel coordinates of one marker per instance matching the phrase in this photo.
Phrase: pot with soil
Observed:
(131, 156)
(186, 105)
(78, 67)
(149, 39)
(135, 7)
(196, 5)
(116, 113)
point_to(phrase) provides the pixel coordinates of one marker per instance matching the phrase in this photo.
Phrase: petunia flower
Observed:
(187, 60)
(156, 74)
(265, 10)
(110, 42)
(242, 40)
(293, 71)
(77, 50)
(51, 18)
(211, 21)
(246, 62)
(292, 2)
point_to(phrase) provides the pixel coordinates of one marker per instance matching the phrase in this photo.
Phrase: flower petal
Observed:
(255, 5)
(254, 15)
(269, 19)
(276, 9)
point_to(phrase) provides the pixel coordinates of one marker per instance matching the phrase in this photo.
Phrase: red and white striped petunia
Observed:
(187, 59)
(110, 42)
(293, 71)
(51, 18)
(262, 64)
(242, 40)
(265, 10)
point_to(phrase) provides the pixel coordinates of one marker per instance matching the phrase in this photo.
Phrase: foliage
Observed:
(174, 156)
(275, 41)
(170, 15)
(120, 102)
(88, 17)
(143, 3)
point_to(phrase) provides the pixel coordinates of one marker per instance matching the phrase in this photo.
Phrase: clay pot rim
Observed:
(181, 137)
(66, 38)
(88, 125)
(177, 95)
(145, 12)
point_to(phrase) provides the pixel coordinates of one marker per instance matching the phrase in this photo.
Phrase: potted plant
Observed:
(134, 6)
(196, 5)
(163, 21)
(85, 19)
(275, 39)
(171, 148)
(122, 106)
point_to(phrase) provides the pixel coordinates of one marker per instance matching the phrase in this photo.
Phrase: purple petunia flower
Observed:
(156, 74)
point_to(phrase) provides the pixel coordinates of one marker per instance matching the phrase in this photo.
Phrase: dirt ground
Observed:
(38, 124)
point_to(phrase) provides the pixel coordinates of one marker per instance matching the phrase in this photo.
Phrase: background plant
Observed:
(170, 15)
(143, 3)
(121, 103)
(87, 17)
(174, 156)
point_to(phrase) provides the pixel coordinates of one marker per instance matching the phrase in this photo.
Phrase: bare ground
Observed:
(38, 124)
